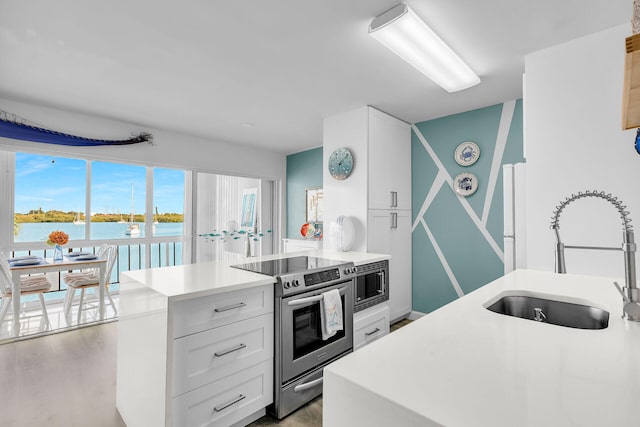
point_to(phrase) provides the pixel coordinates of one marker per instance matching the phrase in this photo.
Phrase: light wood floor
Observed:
(69, 380)
(66, 379)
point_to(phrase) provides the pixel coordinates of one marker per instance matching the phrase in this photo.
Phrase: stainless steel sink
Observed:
(550, 311)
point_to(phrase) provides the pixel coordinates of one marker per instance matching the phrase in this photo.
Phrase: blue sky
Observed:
(59, 183)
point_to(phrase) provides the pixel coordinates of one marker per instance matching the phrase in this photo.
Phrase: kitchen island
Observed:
(463, 365)
(196, 342)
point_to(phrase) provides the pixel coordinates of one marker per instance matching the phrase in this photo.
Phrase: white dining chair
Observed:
(29, 285)
(89, 278)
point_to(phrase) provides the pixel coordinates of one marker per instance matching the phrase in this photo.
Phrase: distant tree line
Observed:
(58, 216)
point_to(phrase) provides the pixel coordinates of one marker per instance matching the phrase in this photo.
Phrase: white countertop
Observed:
(207, 278)
(464, 365)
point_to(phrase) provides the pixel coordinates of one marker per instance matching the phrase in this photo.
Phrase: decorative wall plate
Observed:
(465, 184)
(467, 153)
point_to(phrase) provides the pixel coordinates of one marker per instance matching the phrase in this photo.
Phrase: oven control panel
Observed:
(316, 278)
(321, 277)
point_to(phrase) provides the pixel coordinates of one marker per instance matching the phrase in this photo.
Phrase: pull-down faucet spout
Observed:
(630, 291)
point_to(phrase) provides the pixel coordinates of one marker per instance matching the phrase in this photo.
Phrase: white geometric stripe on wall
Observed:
(443, 259)
(439, 180)
(508, 109)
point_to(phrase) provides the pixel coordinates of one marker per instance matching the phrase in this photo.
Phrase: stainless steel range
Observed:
(301, 353)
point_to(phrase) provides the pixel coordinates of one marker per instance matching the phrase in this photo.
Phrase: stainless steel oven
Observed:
(372, 284)
(303, 352)
(300, 352)
(302, 345)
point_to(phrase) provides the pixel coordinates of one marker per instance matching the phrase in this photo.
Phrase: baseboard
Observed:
(415, 315)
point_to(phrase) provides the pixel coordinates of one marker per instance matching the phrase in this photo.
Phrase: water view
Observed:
(131, 256)
(38, 231)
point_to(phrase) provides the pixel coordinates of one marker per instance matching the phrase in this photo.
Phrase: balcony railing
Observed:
(130, 256)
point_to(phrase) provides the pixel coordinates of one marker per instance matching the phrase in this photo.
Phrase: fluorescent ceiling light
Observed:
(406, 35)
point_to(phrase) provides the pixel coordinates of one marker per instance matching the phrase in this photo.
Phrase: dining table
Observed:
(35, 265)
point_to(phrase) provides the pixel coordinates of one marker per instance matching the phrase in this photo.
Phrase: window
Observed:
(140, 208)
(118, 194)
(48, 191)
(168, 202)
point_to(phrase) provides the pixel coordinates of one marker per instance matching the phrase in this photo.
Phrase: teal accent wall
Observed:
(304, 170)
(456, 246)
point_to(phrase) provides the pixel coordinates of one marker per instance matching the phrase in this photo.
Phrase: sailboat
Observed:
(77, 220)
(133, 229)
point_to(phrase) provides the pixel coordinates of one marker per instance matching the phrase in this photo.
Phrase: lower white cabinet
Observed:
(219, 373)
(389, 232)
(201, 358)
(370, 324)
(227, 400)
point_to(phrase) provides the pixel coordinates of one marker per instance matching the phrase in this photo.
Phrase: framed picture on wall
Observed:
(248, 219)
(314, 198)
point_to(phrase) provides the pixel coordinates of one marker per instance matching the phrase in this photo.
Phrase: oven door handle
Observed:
(306, 386)
(307, 300)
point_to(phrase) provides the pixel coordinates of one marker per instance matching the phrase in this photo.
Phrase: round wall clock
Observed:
(465, 184)
(340, 163)
(467, 153)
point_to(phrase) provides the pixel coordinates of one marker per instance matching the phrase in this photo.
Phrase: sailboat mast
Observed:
(132, 205)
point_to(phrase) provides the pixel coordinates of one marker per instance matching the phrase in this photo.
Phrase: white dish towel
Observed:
(330, 313)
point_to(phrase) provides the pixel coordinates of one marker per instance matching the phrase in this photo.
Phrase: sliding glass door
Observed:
(234, 217)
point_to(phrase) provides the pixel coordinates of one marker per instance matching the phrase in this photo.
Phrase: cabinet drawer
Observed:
(370, 325)
(199, 314)
(210, 355)
(228, 400)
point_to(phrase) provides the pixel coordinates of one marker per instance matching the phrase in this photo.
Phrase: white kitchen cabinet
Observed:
(226, 401)
(389, 232)
(207, 356)
(389, 162)
(197, 361)
(381, 147)
(370, 324)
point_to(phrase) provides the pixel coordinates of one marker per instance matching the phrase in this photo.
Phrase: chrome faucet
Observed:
(630, 293)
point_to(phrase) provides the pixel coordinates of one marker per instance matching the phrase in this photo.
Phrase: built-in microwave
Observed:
(372, 285)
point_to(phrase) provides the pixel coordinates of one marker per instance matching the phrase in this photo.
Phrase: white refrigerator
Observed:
(515, 248)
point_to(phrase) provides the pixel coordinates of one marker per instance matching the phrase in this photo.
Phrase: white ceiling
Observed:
(265, 73)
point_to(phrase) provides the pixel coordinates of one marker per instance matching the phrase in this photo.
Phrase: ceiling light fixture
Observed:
(406, 35)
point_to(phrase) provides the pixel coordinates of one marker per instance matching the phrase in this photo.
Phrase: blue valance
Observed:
(25, 132)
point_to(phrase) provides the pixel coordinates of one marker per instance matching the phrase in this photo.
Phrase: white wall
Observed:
(574, 142)
(170, 150)
(347, 197)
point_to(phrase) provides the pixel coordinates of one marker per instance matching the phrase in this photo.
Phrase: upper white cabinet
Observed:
(377, 194)
(389, 162)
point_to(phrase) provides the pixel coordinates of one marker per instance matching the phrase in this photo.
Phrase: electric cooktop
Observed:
(284, 266)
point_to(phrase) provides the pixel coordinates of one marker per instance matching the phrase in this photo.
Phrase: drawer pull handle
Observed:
(226, 405)
(230, 307)
(376, 330)
(231, 350)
